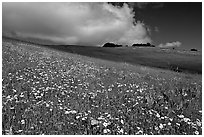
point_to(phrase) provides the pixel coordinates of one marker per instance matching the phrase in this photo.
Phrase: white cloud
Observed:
(74, 23)
(170, 44)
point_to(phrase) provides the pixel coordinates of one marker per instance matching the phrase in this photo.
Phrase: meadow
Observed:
(175, 60)
(51, 91)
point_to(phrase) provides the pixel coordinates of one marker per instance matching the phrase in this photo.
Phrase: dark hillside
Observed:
(152, 57)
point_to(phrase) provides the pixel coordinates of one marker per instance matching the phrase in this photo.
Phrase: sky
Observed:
(93, 24)
(179, 22)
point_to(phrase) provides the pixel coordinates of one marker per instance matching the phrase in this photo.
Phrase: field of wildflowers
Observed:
(50, 92)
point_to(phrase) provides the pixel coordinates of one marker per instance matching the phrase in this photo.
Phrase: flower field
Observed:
(54, 93)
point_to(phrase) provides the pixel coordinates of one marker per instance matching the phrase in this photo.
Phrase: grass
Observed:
(180, 61)
(46, 91)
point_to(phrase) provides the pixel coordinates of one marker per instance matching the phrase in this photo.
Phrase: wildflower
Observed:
(156, 128)
(94, 122)
(161, 126)
(106, 131)
(196, 132)
(105, 124)
(122, 121)
(200, 111)
(198, 122)
(121, 130)
(180, 116)
(22, 121)
(83, 118)
(157, 115)
(178, 124)
(77, 117)
(186, 119)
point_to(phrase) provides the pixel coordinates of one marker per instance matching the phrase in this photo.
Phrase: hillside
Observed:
(175, 60)
(179, 61)
(52, 91)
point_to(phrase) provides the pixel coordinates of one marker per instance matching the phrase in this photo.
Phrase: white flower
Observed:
(171, 119)
(83, 118)
(169, 123)
(157, 115)
(108, 115)
(178, 124)
(73, 111)
(106, 131)
(161, 126)
(186, 119)
(200, 111)
(22, 95)
(180, 116)
(156, 128)
(94, 122)
(196, 132)
(22, 121)
(100, 118)
(77, 117)
(121, 130)
(166, 117)
(198, 122)
(106, 124)
(109, 89)
(47, 105)
(166, 107)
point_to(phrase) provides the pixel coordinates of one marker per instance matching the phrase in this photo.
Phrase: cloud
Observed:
(90, 24)
(170, 44)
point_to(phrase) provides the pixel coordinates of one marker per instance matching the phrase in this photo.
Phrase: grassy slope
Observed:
(153, 57)
(45, 91)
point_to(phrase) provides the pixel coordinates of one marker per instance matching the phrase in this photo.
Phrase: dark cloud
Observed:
(73, 23)
(156, 29)
(144, 5)
(140, 5)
